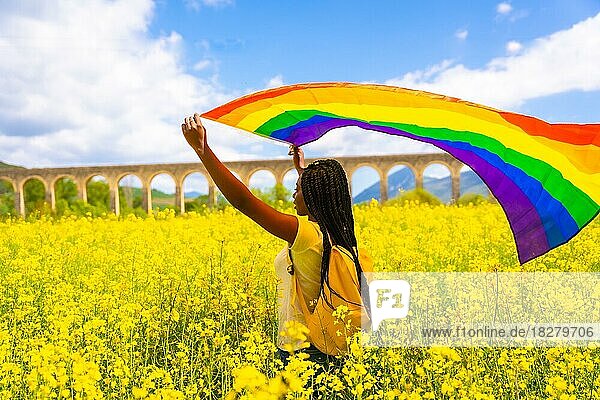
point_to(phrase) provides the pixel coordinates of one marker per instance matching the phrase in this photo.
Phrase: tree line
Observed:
(130, 199)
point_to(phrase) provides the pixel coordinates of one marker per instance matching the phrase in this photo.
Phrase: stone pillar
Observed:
(279, 178)
(455, 186)
(212, 195)
(51, 196)
(147, 197)
(419, 178)
(114, 197)
(455, 178)
(179, 197)
(82, 192)
(383, 187)
(20, 201)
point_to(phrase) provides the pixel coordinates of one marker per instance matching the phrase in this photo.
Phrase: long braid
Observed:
(327, 196)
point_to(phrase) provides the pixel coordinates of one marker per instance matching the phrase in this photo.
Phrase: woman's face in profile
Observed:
(299, 204)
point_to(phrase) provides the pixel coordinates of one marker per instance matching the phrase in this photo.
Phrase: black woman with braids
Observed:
(324, 218)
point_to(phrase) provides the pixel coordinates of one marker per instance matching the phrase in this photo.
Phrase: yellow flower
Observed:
(248, 377)
(139, 393)
(184, 307)
(298, 333)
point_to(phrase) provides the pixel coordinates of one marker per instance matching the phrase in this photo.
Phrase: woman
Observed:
(324, 207)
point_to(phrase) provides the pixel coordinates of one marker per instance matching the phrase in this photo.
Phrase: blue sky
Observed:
(108, 82)
(354, 40)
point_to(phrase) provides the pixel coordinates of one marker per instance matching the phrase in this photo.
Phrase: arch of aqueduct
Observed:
(113, 174)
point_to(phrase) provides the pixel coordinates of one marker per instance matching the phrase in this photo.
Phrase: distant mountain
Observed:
(192, 195)
(160, 194)
(401, 179)
(470, 182)
(137, 192)
(440, 187)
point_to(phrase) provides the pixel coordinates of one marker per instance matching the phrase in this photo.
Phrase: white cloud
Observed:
(202, 65)
(196, 5)
(504, 8)
(564, 61)
(275, 81)
(423, 75)
(195, 182)
(461, 34)
(513, 47)
(353, 141)
(217, 3)
(262, 179)
(436, 171)
(74, 92)
(164, 183)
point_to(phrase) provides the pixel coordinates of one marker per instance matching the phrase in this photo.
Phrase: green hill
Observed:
(7, 166)
(159, 198)
(156, 194)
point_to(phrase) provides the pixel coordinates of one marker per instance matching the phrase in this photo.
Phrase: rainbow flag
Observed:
(545, 176)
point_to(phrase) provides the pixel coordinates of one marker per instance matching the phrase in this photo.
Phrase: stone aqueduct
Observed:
(113, 174)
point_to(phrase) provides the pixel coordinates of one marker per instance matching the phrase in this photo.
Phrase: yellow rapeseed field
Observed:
(184, 307)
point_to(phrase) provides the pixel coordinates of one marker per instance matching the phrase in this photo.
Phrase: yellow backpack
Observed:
(325, 334)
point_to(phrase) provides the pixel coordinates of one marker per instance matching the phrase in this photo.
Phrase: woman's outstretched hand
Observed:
(195, 133)
(298, 154)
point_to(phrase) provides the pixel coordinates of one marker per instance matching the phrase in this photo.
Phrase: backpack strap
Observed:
(290, 268)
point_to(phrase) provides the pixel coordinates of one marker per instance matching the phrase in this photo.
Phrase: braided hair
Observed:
(327, 196)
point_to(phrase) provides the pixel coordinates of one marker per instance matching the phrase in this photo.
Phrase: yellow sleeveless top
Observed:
(307, 252)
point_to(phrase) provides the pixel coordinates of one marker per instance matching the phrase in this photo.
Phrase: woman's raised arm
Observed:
(298, 155)
(282, 225)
